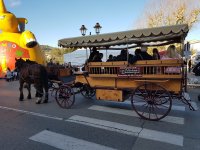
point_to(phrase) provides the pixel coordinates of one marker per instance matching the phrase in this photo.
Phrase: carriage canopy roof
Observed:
(146, 36)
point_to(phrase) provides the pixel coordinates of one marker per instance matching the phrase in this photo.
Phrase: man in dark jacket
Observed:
(144, 54)
(93, 53)
(135, 58)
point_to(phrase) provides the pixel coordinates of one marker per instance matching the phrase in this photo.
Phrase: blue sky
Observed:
(51, 20)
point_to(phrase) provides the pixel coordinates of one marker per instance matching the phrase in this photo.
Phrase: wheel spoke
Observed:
(141, 92)
(139, 101)
(62, 102)
(153, 108)
(164, 106)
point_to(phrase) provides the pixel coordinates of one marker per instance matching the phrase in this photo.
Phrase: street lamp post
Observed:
(97, 28)
(83, 30)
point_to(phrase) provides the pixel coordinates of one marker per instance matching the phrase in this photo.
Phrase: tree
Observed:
(170, 12)
(57, 54)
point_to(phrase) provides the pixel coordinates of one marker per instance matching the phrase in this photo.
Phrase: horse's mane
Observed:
(30, 61)
(21, 63)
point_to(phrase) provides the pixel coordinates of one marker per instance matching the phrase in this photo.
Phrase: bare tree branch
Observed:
(170, 12)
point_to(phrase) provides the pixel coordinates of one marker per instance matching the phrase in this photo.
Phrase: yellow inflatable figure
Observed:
(15, 42)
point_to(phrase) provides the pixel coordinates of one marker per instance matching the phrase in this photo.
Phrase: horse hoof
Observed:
(20, 99)
(26, 85)
(45, 101)
(29, 97)
(38, 101)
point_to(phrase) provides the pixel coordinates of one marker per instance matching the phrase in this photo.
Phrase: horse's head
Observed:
(19, 63)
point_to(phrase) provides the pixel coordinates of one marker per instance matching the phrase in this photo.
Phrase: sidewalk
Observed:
(193, 80)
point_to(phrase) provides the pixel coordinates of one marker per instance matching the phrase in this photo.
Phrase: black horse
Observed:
(31, 72)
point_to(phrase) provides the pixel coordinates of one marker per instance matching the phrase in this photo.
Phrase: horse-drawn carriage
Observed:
(150, 88)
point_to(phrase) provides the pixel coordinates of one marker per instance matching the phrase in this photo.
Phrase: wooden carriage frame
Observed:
(150, 87)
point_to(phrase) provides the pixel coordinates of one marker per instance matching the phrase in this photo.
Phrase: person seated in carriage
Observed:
(98, 57)
(92, 54)
(144, 54)
(156, 55)
(136, 57)
(110, 58)
(171, 53)
(122, 56)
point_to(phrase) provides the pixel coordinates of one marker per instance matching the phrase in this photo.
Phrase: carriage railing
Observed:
(147, 69)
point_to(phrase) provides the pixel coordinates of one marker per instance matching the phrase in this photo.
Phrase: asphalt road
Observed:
(92, 124)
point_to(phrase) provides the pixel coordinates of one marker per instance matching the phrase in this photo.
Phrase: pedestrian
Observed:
(189, 65)
(196, 70)
(9, 75)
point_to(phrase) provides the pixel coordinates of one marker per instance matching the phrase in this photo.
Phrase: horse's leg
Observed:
(46, 88)
(21, 83)
(29, 91)
(36, 94)
(39, 90)
(36, 84)
(46, 95)
(44, 82)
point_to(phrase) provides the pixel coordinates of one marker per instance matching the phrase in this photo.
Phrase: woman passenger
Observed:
(156, 55)
(172, 54)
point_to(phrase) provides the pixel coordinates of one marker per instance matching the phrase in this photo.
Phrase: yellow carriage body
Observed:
(106, 77)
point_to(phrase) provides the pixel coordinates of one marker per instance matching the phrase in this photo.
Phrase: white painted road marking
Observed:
(170, 119)
(31, 113)
(174, 107)
(194, 105)
(64, 142)
(129, 130)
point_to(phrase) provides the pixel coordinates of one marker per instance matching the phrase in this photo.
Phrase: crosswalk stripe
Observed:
(31, 113)
(194, 105)
(64, 142)
(170, 119)
(174, 107)
(129, 130)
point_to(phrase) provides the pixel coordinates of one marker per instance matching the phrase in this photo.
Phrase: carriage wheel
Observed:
(87, 91)
(65, 97)
(151, 101)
